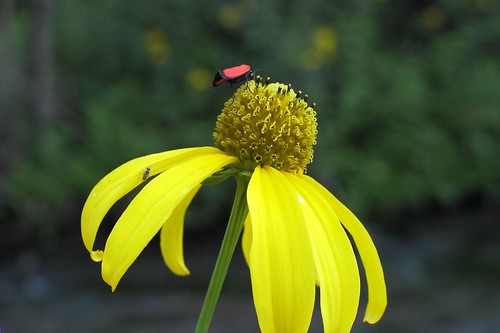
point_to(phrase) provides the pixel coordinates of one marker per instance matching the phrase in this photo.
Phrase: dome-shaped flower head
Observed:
(294, 238)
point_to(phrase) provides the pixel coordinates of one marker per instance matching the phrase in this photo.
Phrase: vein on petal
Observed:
(377, 293)
(281, 258)
(171, 236)
(335, 260)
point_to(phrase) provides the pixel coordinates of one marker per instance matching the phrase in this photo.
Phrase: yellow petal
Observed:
(171, 236)
(96, 255)
(121, 181)
(281, 258)
(335, 260)
(377, 293)
(246, 239)
(147, 212)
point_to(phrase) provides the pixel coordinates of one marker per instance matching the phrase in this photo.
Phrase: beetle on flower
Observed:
(233, 75)
(294, 230)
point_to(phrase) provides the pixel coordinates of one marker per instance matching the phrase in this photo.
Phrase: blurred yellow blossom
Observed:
(325, 41)
(433, 18)
(155, 41)
(230, 15)
(199, 79)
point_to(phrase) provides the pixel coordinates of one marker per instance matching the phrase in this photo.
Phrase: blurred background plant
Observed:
(407, 93)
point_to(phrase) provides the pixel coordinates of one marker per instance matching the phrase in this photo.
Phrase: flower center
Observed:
(267, 124)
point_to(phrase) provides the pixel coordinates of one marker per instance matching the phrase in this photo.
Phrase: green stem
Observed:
(234, 227)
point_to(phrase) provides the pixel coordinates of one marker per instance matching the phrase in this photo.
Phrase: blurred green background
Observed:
(408, 103)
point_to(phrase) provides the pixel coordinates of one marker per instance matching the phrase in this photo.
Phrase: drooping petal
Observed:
(377, 294)
(147, 212)
(246, 239)
(171, 236)
(335, 260)
(281, 258)
(121, 181)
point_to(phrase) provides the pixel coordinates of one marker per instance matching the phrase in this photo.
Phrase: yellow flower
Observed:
(155, 41)
(199, 79)
(294, 237)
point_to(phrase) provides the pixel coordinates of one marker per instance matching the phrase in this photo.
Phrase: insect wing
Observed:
(232, 75)
(219, 79)
(235, 72)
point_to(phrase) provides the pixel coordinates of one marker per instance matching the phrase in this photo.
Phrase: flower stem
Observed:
(234, 227)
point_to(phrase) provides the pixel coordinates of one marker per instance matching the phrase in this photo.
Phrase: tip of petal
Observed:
(370, 320)
(375, 315)
(376, 310)
(97, 255)
(185, 272)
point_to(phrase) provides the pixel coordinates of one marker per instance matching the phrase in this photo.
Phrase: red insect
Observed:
(232, 75)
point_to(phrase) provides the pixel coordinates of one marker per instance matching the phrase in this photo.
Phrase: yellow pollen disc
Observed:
(267, 124)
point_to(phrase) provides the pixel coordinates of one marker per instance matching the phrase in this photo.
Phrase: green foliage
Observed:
(415, 124)
(408, 102)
